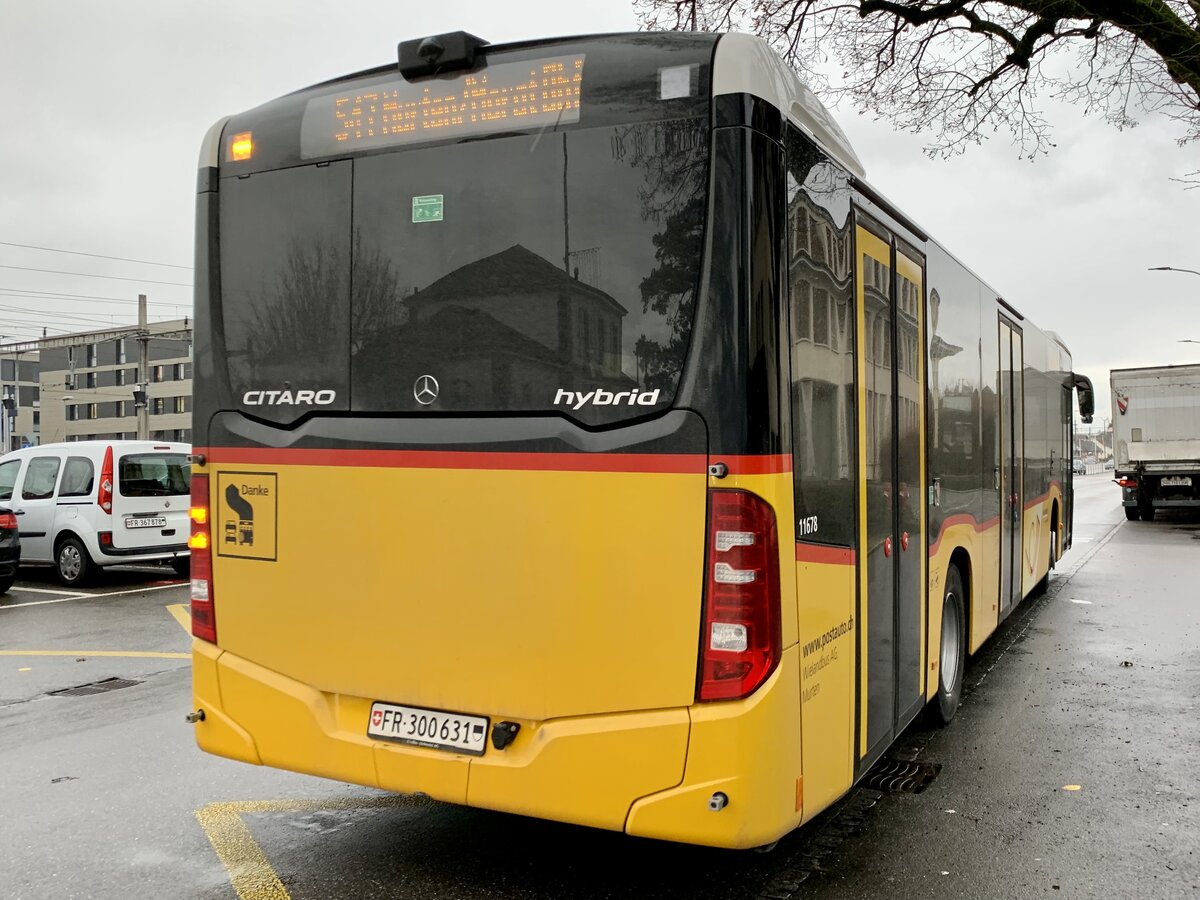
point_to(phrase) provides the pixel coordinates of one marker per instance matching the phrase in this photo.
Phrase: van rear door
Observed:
(150, 497)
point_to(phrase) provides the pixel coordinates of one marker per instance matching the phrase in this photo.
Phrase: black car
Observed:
(10, 548)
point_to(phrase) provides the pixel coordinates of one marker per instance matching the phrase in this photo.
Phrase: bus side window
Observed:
(821, 322)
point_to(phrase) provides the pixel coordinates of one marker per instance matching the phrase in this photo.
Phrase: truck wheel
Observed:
(1147, 513)
(72, 564)
(952, 655)
(1131, 513)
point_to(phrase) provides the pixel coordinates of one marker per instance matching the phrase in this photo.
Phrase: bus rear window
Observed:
(559, 274)
(154, 475)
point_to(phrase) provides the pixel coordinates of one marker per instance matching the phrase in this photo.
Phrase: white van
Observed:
(89, 504)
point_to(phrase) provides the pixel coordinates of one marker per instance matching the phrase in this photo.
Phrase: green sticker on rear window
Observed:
(427, 208)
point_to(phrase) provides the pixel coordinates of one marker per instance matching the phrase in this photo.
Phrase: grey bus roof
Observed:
(744, 64)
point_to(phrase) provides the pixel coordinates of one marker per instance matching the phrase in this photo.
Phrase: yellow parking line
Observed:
(248, 868)
(182, 616)
(132, 654)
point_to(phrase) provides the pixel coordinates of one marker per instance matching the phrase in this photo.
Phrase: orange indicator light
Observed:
(241, 147)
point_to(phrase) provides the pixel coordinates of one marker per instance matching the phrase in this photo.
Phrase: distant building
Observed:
(88, 384)
(20, 392)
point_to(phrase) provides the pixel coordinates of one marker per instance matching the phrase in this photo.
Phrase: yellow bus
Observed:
(579, 434)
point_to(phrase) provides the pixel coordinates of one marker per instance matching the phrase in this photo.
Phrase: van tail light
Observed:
(204, 616)
(104, 498)
(8, 520)
(740, 638)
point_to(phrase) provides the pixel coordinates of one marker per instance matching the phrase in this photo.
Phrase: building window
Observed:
(156, 374)
(91, 355)
(72, 413)
(120, 373)
(120, 409)
(158, 406)
(181, 404)
(89, 380)
(120, 350)
(93, 411)
(180, 373)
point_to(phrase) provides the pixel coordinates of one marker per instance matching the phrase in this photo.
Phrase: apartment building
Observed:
(20, 400)
(91, 387)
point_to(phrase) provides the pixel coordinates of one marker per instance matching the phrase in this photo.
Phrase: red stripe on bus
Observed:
(819, 553)
(767, 464)
(658, 463)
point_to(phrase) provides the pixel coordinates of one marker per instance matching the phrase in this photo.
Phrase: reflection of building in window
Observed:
(820, 280)
(513, 326)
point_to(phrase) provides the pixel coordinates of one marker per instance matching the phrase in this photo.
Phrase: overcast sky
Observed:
(106, 104)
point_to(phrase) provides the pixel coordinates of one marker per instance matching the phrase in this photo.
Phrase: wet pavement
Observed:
(1070, 770)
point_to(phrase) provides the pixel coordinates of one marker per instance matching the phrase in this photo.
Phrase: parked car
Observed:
(88, 504)
(10, 548)
(1077, 466)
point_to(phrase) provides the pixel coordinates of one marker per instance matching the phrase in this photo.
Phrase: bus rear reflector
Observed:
(740, 634)
(204, 616)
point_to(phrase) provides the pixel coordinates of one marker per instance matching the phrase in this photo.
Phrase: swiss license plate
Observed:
(428, 728)
(145, 522)
(1177, 481)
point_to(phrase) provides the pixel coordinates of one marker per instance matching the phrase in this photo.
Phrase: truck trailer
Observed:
(1156, 435)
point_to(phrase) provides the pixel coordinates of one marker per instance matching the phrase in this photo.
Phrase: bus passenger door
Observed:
(1012, 459)
(891, 475)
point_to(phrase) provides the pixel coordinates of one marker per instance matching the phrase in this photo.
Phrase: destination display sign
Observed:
(514, 96)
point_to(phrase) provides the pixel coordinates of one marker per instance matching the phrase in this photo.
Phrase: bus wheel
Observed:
(1131, 513)
(952, 656)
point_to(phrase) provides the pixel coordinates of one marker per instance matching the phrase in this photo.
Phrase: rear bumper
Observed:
(649, 773)
(116, 555)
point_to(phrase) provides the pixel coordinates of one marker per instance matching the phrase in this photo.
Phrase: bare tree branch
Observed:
(958, 70)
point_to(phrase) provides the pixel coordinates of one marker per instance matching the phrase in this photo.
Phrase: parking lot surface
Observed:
(1069, 771)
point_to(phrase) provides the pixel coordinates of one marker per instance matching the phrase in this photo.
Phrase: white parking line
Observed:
(157, 587)
(49, 591)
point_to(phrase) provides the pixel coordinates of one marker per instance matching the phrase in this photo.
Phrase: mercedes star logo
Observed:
(425, 389)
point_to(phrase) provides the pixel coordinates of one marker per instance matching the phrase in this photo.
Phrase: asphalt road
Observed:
(1070, 770)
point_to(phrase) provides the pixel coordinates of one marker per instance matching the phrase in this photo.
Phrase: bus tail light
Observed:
(740, 633)
(204, 616)
(104, 497)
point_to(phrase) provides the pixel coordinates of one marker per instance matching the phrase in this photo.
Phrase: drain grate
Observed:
(95, 687)
(901, 776)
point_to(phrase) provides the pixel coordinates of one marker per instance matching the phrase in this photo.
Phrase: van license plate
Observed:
(1177, 481)
(428, 728)
(145, 522)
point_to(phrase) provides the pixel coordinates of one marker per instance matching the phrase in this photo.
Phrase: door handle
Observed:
(19, 512)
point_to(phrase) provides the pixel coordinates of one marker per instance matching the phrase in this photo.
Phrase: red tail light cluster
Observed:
(204, 616)
(8, 520)
(104, 497)
(740, 633)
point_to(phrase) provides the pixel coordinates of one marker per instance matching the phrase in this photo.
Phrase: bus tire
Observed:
(72, 564)
(952, 653)
(1131, 513)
